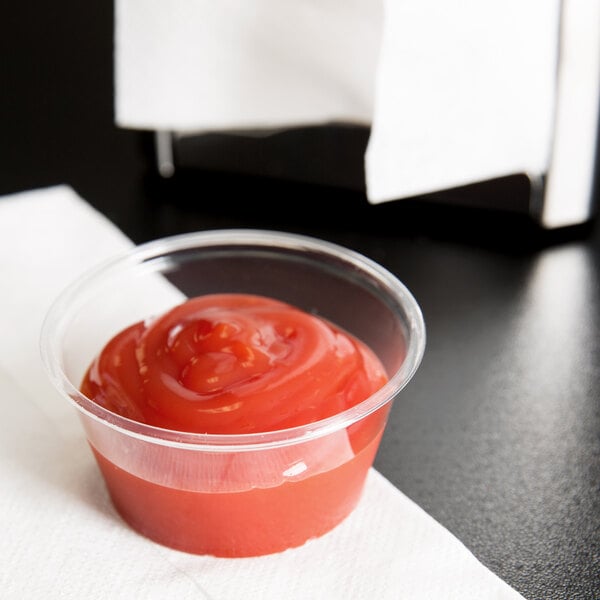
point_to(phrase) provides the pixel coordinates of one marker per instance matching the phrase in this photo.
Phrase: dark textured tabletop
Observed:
(498, 434)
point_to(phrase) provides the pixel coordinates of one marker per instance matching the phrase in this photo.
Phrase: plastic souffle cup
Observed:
(244, 494)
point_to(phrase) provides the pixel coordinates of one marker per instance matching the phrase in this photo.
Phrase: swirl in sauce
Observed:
(232, 363)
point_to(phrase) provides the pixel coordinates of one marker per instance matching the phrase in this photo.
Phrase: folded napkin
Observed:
(456, 92)
(201, 65)
(61, 537)
(465, 92)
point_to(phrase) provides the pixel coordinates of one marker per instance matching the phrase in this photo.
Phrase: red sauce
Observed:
(233, 364)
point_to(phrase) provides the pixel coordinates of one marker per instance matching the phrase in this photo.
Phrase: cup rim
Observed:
(55, 323)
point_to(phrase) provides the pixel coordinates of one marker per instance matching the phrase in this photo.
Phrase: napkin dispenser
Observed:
(333, 153)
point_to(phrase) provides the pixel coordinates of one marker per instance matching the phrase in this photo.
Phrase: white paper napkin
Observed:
(465, 92)
(202, 65)
(61, 538)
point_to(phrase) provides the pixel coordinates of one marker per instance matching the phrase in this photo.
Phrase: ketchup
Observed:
(236, 364)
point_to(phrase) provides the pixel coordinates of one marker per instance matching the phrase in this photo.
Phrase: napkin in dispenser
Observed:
(465, 92)
(197, 65)
(442, 94)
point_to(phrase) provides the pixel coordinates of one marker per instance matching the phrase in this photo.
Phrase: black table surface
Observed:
(498, 434)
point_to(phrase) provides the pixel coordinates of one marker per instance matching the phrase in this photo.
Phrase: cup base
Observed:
(255, 522)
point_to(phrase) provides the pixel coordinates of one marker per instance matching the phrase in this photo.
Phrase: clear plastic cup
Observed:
(246, 494)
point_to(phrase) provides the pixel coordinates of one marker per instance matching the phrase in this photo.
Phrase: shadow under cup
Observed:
(247, 494)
